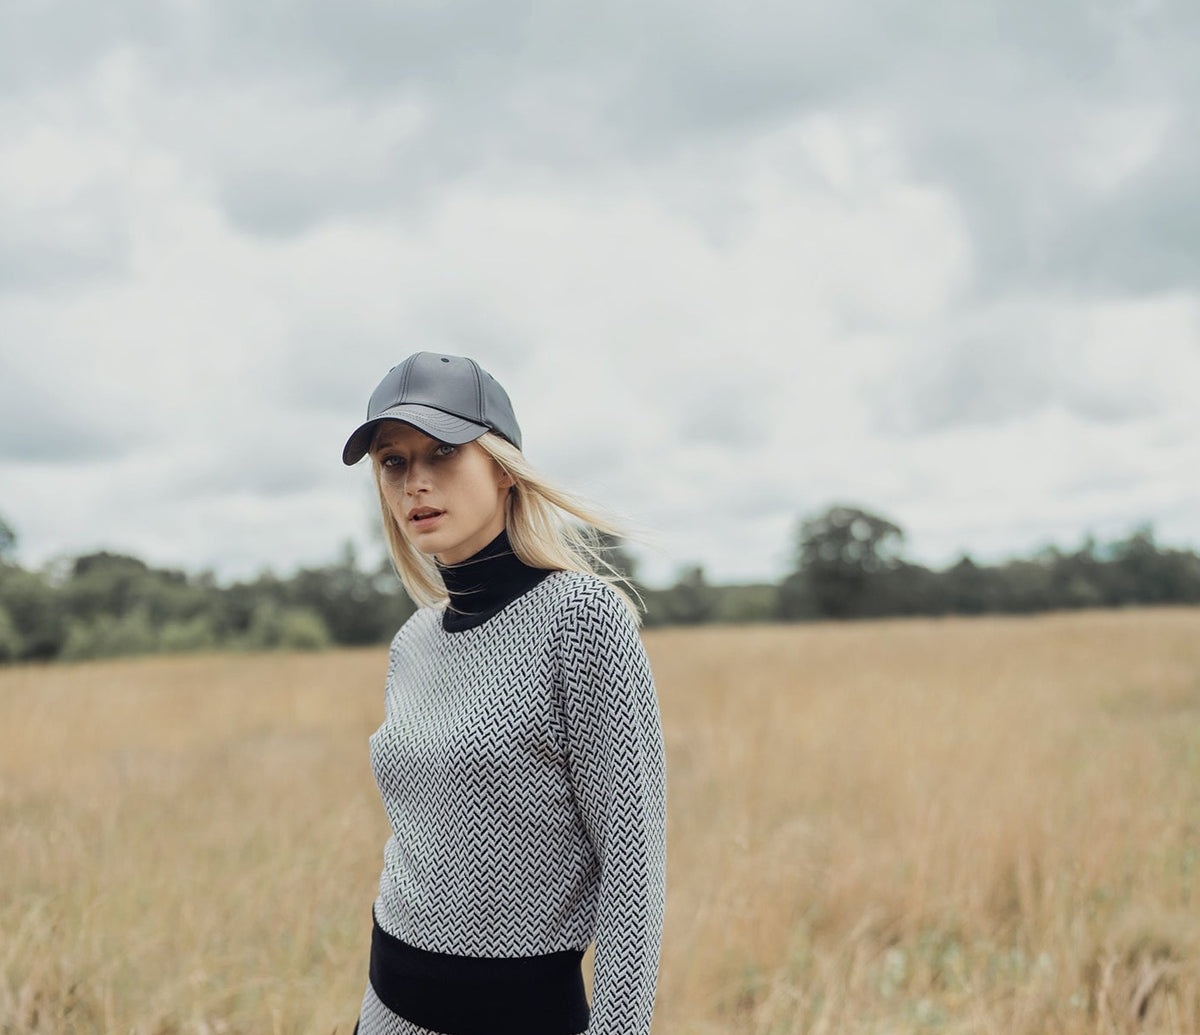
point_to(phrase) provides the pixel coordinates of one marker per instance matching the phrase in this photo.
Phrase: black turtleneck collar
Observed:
(483, 585)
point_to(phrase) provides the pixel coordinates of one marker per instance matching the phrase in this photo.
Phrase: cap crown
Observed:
(452, 384)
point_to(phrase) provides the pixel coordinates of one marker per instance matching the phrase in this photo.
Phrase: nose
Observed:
(417, 478)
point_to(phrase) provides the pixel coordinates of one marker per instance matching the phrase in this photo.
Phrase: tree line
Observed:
(847, 563)
(108, 604)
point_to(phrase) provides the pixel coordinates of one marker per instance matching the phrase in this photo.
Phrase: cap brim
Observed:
(445, 427)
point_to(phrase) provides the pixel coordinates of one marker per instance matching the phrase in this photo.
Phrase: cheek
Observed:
(489, 494)
(393, 497)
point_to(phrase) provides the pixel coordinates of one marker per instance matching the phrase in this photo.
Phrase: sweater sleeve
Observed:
(618, 775)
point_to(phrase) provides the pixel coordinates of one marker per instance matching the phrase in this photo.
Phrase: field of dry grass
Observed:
(986, 825)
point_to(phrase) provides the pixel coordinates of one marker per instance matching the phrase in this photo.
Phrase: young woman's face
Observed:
(447, 500)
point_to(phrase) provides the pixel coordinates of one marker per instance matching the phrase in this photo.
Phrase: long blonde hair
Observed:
(537, 517)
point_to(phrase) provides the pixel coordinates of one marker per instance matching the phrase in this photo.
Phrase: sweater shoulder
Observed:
(418, 625)
(582, 601)
(568, 588)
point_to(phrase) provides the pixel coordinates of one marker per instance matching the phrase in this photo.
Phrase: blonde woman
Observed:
(520, 759)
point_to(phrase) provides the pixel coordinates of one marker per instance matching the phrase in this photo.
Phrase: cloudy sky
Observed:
(733, 262)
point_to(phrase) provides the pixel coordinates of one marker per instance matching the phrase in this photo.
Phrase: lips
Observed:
(424, 517)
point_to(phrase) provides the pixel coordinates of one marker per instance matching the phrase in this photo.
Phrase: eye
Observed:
(445, 449)
(391, 461)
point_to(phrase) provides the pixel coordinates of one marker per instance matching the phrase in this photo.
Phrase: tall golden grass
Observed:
(987, 825)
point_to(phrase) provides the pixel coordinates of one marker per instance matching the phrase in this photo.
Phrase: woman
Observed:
(520, 759)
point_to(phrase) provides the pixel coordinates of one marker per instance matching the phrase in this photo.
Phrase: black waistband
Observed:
(480, 995)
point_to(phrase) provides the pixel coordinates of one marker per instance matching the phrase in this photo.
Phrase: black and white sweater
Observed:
(521, 765)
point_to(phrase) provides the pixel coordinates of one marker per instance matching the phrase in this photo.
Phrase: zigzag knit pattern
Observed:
(521, 765)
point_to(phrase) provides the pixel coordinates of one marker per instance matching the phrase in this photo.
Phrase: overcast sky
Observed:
(733, 263)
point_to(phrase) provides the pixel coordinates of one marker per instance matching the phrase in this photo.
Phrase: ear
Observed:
(506, 479)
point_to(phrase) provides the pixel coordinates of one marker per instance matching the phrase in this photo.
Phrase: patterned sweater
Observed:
(521, 765)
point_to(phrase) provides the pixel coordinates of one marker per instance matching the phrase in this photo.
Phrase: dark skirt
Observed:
(473, 995)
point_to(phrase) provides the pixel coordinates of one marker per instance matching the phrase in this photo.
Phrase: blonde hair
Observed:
(537, 517)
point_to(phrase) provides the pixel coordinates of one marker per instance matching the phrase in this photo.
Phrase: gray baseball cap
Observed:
(451, 398)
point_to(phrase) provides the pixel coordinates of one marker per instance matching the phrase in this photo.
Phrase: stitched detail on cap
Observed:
(404, 384)
(479, 392)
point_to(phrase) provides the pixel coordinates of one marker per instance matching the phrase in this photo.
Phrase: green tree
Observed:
(1023, 586)
(115, 584)
(356, 607)
(752, 602)
(968, 588)
(273, 627)
(1141, 571)
(109, 636)
(840, 557)
(33, 609)
(690, 601)
(190, 634)
(902, 588)
(11, 646)
(8, 541)
(1076, 578)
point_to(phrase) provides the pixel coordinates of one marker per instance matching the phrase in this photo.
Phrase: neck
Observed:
(483, 585)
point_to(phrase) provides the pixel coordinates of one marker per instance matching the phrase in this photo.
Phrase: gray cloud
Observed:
(271, 205)
(41, 423)
(1146, 237)
(989, 97)
(333, 361)
(81, 240)
(481, 329)
(724, 413)
(397, 131)
(328, 369)
(978, 382)
(268, 471)
(44, 43)
(1006, 138)
(1009, 374)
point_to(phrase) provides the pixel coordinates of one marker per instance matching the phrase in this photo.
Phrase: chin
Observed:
(428, 547)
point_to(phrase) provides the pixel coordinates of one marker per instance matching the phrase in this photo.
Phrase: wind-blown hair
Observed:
(537, 517)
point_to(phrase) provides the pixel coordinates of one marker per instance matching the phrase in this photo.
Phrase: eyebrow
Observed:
(391, 449)
(387, 443)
